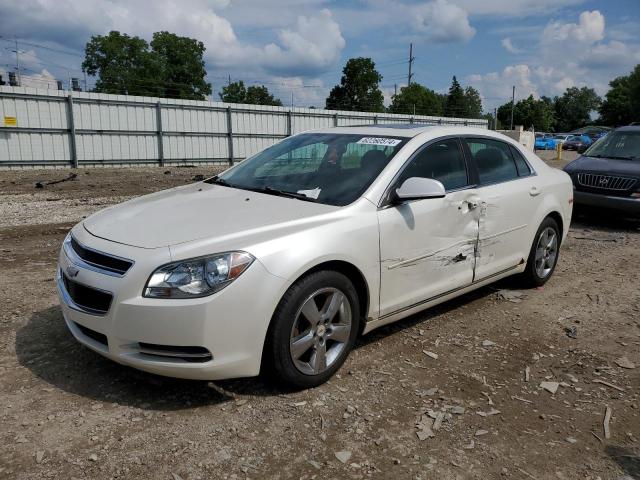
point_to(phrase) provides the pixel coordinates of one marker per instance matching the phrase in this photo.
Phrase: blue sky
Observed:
(298, 47)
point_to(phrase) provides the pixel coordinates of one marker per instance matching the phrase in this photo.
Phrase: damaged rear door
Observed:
(427, 247)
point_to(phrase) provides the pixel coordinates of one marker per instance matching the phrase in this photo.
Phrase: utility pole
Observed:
(513, 103)
(395, 89)
(18, 62)
(411, 59)
(292, 98)
(495, 118)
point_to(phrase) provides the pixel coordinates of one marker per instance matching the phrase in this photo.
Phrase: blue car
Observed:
(545, 141)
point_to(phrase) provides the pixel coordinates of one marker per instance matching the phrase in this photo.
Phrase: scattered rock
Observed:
(513, 296)
(551, 387)
(198, 178)
(624, 362)
(430, 354)
(343, 456)
(176, 476)
(493, 411)
(571, 440)
(93, 457)
(457, 410)
(479, 433)
(571, 332)
(39, 456)
(488, 343)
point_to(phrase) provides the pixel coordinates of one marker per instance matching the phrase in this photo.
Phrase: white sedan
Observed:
(280, 262)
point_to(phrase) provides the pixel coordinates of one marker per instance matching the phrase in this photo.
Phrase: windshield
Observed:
(328, 168)
(619, 145)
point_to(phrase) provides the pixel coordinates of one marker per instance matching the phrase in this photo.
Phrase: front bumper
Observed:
(624, 204)
(230, 324)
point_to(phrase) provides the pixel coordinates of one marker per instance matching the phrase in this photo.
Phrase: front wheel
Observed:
(313, 329)
(543, 256)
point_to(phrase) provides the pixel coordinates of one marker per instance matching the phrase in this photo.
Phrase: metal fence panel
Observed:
(82, 129)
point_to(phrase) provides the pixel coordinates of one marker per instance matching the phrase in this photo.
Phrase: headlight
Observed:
(197, 277)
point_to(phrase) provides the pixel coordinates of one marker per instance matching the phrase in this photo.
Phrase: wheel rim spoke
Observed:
(332, 305)
(318, 360)
(546, 252)
(302, 344)
(311, 312)
(339, 333)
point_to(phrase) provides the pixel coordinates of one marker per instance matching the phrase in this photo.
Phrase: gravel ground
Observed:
(477, 411)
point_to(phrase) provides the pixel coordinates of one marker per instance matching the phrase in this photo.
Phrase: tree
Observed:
(529, 113)
(419, 100)
(259, 95)
(236, 92)
(573, 108)
(473, 103)
(171, 66)
(456, 105)
(359, 88)
(622, 102)
(182, 66)
(124, 65)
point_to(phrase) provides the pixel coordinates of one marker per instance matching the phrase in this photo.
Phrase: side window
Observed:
(521, 164)
(493, 159)
(441, 161)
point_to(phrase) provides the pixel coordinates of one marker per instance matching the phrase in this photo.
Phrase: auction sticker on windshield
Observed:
(385, 142)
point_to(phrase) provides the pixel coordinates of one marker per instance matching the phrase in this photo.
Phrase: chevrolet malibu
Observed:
(280, 262)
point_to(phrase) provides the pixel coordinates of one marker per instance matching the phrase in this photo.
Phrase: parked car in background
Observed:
(576, 142)
(284, 259)
(608, 173)
(544, 141)
(561, 137)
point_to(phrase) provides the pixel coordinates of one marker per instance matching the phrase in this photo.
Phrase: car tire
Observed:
(543, 256)
(295, 343)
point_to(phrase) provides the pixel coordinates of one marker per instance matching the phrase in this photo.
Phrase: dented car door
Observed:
(427, 247)
(510, 193)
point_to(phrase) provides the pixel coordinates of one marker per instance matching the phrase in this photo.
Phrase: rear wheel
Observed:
(313, 329)
(543, 256)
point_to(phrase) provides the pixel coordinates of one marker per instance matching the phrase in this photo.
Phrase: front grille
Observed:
(100, 260)
(90, 299)
(606, 182)
(170, 352)
(92, 334)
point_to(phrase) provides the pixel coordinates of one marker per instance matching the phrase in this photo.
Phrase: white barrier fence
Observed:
(58, 128)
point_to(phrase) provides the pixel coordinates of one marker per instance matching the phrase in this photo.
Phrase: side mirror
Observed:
(417, 188)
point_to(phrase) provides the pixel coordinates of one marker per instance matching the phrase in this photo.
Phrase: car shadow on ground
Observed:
(626, 459)
(602, 219)
(46, 347)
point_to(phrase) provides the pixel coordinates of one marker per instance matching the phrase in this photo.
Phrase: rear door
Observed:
(510, 193)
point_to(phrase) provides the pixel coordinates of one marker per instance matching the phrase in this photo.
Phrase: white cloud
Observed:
(441, 21)
(588, 30)
(515, 8)
(562, 56)
(509, 46)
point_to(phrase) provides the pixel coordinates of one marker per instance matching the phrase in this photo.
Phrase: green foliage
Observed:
(572, 109)
(419, 100)
(359, 88)
(236, 92)
(622, 102)
(456, 105)
(529, 112)
(182, 66)
(473, 103)
(171, 66)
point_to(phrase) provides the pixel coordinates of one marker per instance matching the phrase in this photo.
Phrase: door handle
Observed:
(535, 191)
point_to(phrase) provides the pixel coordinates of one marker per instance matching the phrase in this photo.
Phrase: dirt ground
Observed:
(66, 412)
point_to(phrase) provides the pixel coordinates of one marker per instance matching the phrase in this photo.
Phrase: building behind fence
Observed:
(57, 128)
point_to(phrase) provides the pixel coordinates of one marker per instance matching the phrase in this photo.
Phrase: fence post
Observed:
(72, 133)
(289, 124)
(335, 120)
(375, 120)
(159, 132)
(230, 134)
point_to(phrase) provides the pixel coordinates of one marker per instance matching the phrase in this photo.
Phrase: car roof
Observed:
(629, 128)
(407, 130)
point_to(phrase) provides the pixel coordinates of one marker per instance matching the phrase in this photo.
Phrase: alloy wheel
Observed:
(546, 252)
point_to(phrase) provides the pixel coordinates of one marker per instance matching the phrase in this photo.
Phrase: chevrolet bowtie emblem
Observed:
(72, 271)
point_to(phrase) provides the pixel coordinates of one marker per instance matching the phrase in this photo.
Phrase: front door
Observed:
(427, 246)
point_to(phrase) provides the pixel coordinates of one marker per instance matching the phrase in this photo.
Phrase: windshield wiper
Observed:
(218, 181)
(282, 193)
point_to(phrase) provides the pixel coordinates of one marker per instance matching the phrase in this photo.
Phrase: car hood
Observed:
(604, 165)
(197, 211)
